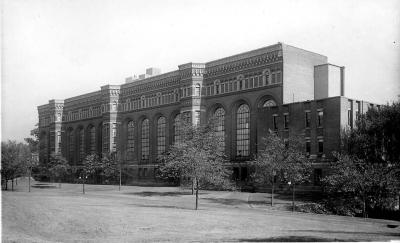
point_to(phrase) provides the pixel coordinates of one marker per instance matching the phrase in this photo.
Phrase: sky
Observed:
(55, 49)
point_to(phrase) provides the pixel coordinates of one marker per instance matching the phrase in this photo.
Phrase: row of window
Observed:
(172, 97)
(307, 119)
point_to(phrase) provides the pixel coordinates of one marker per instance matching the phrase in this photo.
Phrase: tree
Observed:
(14, 159)
(285, 157)
(197, 156)
(366, 174)
(58, 167)
(33, 141)
(91, 164)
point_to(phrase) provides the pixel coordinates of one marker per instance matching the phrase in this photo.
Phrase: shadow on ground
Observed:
(290, 239)
(394, 234)
(43, 186)
(226, 201)
(158, 206)
(162, 194)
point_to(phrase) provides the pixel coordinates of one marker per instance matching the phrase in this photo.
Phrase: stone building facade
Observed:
(278, 87)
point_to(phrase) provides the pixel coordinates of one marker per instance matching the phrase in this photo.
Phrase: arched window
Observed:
(219, 116)
(197, 90)
(81, 145)
(161, 127)
(177, 121)
(71, 145)
(269, 103)
(130, 145)
(243, 130)
(145, 140)
(92, 140)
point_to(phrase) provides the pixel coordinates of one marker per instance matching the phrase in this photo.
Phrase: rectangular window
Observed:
(275, 122)
(251, 83)
(308, 147)
(349, 118)
(308, 119)
(320, 118)
(286, 121)
(358, 109)
(320, 146)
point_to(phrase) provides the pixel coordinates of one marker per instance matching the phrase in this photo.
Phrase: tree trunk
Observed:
(83, 186)
(197, 193)
(6, 184)
(364, 208)
(16, 181)
(272, 193)
(12, 184)
(293, 197)
(192, 187)
(59, 183)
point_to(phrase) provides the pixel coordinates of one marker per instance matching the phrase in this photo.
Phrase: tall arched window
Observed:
(219, 116)
(130, 145)
(243, 130)
(145, 139)
(92, 140)
(81, 145)
(177, 121)
(161, 128)
(269, 103)
(71, 145)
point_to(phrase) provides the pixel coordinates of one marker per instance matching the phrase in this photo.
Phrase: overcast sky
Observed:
(63, 48)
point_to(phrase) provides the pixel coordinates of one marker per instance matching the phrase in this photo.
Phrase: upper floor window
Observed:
(320, 118)
(308, 119)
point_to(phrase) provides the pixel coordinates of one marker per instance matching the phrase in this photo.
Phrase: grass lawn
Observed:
(148, 214)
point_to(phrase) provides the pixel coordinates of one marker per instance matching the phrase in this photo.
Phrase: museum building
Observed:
(279, 87)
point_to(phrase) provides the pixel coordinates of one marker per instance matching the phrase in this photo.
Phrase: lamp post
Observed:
(289, 183)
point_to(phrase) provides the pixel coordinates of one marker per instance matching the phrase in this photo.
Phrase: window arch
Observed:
(145, 139)
(269, 103)
(130, 144)
(161, 129)
(243, 130)
(219, 126)
(177, 121)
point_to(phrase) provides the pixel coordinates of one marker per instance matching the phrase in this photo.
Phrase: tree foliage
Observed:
(58, 166)
(282, 159)
(14, 160)
(198, 156)
(366, 175)
(33, 141)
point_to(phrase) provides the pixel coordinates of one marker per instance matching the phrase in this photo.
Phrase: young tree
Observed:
(268, 162)
(91, 164)
(14, 158)
(197, 156)
(58, 167)
(285, 157)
